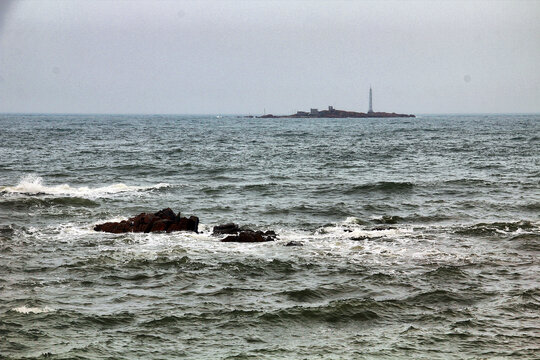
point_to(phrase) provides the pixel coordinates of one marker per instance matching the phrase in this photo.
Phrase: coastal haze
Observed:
(240, 57)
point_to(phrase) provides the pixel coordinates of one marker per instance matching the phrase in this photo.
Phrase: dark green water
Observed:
(420, 238)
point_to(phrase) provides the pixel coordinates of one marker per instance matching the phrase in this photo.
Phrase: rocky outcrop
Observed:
(167, 221)
(294, 243)
(162, 221)
(250, 236)
(238, 234)
(230, 228)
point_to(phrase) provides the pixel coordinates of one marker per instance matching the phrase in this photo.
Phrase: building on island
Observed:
(337, 113)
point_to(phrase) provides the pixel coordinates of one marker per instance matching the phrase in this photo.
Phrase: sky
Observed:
(250, 57)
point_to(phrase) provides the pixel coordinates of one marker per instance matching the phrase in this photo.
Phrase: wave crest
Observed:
(381, 186)
(33, 185)
(32, 310)
(502, 228)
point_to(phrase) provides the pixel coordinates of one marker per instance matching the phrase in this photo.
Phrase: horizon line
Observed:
(238, 114)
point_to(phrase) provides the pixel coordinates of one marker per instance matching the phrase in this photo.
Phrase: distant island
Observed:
(334, 113)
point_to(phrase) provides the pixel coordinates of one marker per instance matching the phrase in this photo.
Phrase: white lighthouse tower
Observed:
(370, 111)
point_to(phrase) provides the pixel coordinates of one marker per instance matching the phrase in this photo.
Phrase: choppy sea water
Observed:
(420, 237)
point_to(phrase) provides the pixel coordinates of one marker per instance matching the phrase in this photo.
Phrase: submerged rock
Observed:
(250, 236)
(242, 234)
(230, 228)
(359, 238)
(294, 243)
(163, 220)
(382, 228)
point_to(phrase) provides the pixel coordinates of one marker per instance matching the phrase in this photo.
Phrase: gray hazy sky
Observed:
(215, 57)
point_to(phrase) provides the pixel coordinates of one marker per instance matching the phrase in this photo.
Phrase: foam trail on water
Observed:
(32, 185)
(32, 310)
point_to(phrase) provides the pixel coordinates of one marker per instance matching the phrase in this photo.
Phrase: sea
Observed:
(415, 238)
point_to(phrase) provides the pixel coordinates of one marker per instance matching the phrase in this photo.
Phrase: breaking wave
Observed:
(18, 203)
(32, 310)
(501, 228)
(34, 185)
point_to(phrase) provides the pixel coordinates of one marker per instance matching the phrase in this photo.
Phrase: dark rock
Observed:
(161, 225)
(143, 222)
(175, 227)
(163, 220)
(359, 238)
(167, 214)
(381, 228)
(193, 224)
(250, 236)
(294, 243)
(229, 228)
(185, 224)
(372, 238)
(113, 227)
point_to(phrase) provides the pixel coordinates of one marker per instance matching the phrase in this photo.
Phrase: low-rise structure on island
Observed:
(335, 113)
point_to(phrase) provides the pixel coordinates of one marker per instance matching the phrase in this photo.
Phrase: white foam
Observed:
(32, 310)
(351, 220)
(396, 245)
(32, 184)
(352, 228)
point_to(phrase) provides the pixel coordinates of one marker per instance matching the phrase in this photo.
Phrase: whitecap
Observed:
(32, 310)
(33, 185)
(351, 220)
